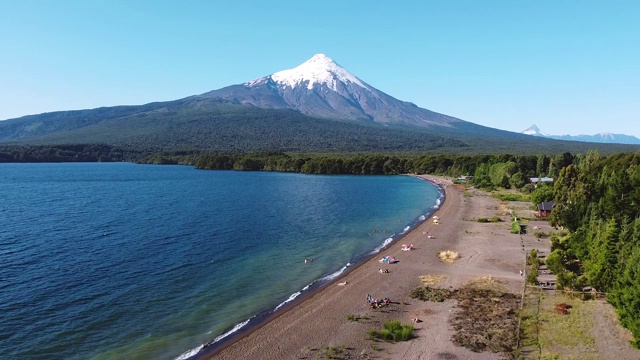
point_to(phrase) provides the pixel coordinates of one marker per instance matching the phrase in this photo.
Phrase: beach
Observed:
(320, 322)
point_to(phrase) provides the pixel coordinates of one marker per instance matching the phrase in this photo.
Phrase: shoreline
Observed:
(335, 321)
(215, 349)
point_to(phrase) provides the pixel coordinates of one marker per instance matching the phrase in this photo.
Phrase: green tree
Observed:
(542, 194)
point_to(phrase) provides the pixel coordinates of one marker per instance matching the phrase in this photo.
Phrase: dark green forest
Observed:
(508, 171)
(206, 125)
(64, 153)
(600, 206)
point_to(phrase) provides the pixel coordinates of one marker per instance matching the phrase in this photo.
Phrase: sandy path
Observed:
(320, 321)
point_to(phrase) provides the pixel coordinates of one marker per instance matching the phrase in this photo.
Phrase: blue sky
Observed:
(571, 67)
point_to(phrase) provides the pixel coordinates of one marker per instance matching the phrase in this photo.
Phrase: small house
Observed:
(544, 209)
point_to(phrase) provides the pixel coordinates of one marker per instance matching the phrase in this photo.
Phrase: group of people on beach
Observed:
(377, 303)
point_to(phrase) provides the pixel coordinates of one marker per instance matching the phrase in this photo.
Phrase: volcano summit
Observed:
(320, 87)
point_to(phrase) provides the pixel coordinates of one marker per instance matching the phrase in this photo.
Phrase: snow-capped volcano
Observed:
(320, 87)
(534, 130)
(320, 69)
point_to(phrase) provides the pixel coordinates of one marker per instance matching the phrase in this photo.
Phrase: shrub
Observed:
(393, 331)
(554, 261)
(532, 278)
(534, 262)
(431, 294)
(540, 234)
(356, 317)
(511, 197)
(335, 352)
(485, 220)
(486, 320)
(528, 188)
(515, 227)
(448, 256)
(566, 279)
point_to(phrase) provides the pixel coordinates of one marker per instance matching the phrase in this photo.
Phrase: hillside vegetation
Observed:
(207, 125)
(600, 199)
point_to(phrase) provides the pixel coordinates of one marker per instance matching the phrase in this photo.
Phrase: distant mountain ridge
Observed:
(602, 138)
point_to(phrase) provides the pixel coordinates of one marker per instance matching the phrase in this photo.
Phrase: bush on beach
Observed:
(448, 256)
(431, 294)
(515, 227)
(486, 317)
(393, 331)
(356, 317)
(485, 220)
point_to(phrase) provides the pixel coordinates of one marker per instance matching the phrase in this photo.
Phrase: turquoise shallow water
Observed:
(137, 261)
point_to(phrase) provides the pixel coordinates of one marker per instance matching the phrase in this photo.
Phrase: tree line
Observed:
(600, 206)
(511, 171)
(503, 170)
(62, 153)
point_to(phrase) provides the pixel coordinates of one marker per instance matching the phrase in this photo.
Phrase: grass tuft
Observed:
(428, 280)
(393, 331)
(448, 256)
(356, 317)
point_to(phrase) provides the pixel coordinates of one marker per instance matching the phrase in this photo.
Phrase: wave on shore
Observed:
(189, 353)
(335, 274)
(235, 329)
(384, 245)
(196, 350)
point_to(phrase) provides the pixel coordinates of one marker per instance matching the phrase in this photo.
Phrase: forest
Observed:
(63, 153)
(599, 201)
(502, 170)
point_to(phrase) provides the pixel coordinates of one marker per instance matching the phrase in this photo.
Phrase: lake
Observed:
(119, 260)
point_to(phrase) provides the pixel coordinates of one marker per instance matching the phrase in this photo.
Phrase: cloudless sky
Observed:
(571, 67)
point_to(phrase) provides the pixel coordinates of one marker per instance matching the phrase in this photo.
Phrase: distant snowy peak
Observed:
(534, 130)
(604, 137)
(320, 69)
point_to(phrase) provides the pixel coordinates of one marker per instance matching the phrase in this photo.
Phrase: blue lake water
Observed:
(117, 260)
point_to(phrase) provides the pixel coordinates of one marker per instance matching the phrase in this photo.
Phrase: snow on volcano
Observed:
(319, 69)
